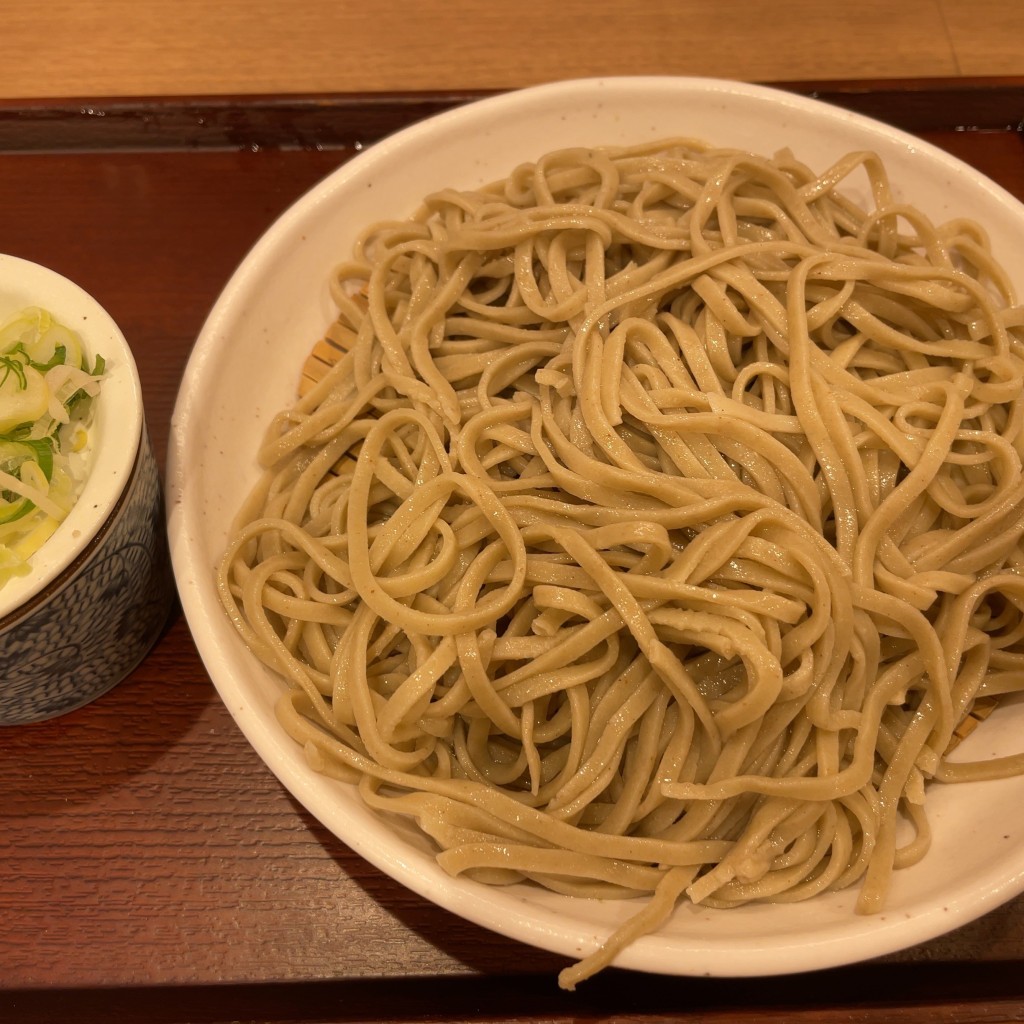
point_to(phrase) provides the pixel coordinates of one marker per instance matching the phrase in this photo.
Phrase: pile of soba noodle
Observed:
(658, 527)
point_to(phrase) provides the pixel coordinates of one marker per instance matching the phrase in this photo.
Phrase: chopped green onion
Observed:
(46, 388)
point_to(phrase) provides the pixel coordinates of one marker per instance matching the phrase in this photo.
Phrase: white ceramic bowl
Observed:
(245, 367)
(98, 590)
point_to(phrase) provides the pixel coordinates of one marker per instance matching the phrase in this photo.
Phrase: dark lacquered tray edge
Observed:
(324, 121)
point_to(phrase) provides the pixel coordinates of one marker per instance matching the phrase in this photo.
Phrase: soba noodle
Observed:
(658, 527)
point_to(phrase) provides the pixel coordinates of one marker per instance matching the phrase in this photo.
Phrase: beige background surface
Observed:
(71, 48)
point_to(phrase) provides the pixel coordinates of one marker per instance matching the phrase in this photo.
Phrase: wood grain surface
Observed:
(186, 47)
(151, 867)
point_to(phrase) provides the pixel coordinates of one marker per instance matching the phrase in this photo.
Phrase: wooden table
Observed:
(151, 867)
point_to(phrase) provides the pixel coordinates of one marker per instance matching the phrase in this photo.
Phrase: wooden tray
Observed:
(151, 867)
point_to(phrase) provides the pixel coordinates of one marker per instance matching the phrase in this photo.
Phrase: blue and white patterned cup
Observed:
(100, 589)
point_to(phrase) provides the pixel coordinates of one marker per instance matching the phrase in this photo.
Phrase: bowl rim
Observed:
(117, 416)
(833, 944)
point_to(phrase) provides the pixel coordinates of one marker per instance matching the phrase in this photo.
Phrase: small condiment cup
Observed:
(100, 588)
